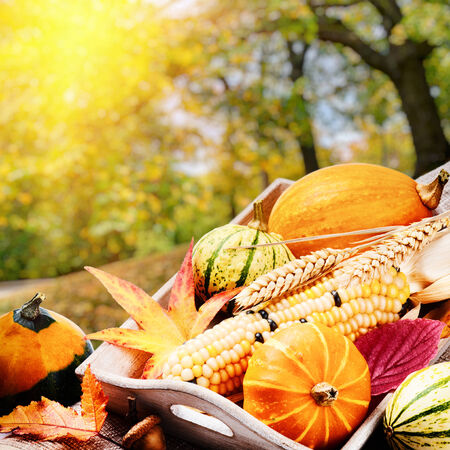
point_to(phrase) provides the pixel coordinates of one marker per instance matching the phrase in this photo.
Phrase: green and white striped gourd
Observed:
(418, 414)
(218, 268)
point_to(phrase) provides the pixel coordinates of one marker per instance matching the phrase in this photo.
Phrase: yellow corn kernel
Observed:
(387, 278)
(317, 317)
(348, 309)
(351, 292)
(292, 300)
(215, 379)
(230, 370)
(223, 375)
(220, 361)
(303, 296)
(207, 371)
(389, 305)
(197, 371)
(397, 306)
(375, 287)
(329, 319)
(234, 356)
(176, 369)
(341, 328)
(392, 291)
(343, 294)
(186, 362)
(182, 353)
(226, 356)
(204, 354)
(187, 375)
(212, 362)
(358, 291)
(237, 382)
(202, 381)
(404, 294)
(246, 346)
(353, 324)
(317, 292)
(197, 358)
(354, 304)
(366, 290)
(393, 272)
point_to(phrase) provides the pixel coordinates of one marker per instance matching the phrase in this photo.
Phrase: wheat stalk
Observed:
(393, 248)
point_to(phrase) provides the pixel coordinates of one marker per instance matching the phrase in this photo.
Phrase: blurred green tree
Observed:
(406, 42)
(127, 127)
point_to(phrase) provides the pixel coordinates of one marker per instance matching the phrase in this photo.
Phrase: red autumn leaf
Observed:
(395, 350)
(160, 331)
(49, 420)
(180, 309)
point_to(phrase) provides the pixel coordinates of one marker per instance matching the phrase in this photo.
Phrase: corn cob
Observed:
(218, 358)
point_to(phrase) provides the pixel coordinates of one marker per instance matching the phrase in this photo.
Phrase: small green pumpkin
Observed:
(218, 268)
(418, 414)
(38, 356)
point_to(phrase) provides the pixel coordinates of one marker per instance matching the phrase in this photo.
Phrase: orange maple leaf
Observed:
(160, 331)
(49, 420)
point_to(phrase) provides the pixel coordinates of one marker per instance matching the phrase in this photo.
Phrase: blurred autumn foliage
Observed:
(127, 127)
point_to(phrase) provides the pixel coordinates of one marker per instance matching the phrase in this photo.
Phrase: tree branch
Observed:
(390, 13)
(333, 30)
(335, 4)
(297, 60)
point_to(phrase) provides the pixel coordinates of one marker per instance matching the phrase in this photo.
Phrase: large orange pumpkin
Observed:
(309, 383)
(350, 197)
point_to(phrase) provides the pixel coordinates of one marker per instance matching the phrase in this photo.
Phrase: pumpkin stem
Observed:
(30, 310)
(324, 394)
(258, 221)
(430, 194)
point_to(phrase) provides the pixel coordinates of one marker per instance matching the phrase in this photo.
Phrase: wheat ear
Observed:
(290, 276)
(394, 250)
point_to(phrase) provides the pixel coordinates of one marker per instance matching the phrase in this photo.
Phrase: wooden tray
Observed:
(189, 411)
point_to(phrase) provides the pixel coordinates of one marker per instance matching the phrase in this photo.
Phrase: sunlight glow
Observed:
(70, 56)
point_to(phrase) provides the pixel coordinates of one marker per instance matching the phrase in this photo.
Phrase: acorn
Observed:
(145, 435)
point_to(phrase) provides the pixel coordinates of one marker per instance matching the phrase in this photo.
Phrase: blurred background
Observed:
(129, 126)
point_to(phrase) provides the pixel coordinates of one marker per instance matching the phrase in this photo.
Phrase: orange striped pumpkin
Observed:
(350, 197)
(309, 383)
